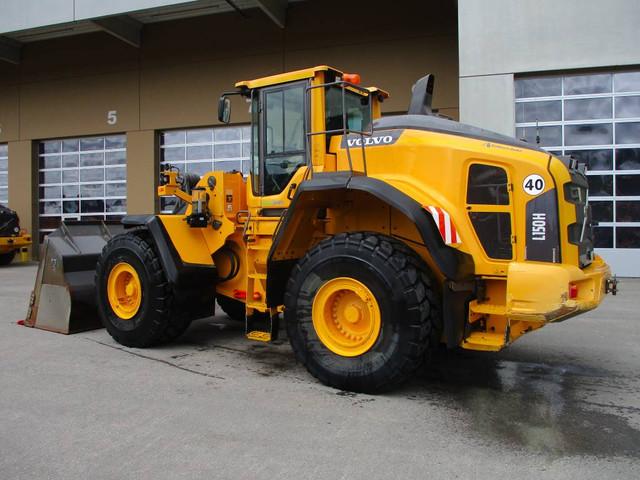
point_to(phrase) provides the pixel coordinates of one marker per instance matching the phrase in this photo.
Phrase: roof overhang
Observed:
(24, 21)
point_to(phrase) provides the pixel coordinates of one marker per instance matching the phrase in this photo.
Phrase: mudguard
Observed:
(179, 273)
(453, 264)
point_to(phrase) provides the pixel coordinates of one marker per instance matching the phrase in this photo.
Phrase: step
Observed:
(259, 336)
(488, 342)
(261, 306)
(487, 309)
(257, 276)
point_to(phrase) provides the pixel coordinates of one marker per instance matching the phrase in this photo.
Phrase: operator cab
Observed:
(293, 118)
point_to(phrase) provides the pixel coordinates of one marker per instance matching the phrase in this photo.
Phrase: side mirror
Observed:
(224, 109)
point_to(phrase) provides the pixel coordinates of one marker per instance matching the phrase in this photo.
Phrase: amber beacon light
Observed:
(352, 78)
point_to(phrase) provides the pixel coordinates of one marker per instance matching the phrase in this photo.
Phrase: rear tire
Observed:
(235, 309)
(160, 316)
(7, 258)
(402, 290)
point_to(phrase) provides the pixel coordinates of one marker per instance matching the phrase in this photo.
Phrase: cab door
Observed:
(278, 165)
(279, 145)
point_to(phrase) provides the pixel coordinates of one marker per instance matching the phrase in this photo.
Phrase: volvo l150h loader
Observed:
(375, 238)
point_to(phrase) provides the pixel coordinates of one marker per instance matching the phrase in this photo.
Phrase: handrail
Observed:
(275, 231)
(245, 235)
(345, 130)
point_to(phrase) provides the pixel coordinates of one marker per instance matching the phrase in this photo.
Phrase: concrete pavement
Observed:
(563, 402)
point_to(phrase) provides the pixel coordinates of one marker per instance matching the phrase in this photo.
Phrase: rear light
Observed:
(573, 291)
(242, 295)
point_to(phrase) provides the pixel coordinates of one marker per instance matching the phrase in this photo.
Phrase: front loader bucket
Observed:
(64, 298)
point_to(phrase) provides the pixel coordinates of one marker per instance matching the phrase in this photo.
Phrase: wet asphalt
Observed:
(562, 402)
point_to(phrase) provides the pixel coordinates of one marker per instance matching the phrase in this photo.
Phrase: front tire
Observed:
(7, 258)
(360, 311)
(137, 304)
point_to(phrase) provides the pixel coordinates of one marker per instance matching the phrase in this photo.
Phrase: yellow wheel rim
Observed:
(124, 290)
(346, 316)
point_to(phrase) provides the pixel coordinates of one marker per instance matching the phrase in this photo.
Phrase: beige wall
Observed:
(61, 108)
(9, 113)
(142, 172)
(23, 183)
(65, 87)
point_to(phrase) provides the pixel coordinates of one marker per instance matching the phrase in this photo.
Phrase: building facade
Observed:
(566, 72)
(95, 96)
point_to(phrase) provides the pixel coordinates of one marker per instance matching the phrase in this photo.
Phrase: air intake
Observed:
(421, 96)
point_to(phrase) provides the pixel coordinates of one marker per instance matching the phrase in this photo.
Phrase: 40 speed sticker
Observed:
(533, 184)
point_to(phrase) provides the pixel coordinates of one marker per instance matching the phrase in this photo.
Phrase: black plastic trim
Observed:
(543, 246)
(130, 221)
(272, 212)
(436, 124)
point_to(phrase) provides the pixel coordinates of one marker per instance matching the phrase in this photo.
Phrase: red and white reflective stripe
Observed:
(445, 225)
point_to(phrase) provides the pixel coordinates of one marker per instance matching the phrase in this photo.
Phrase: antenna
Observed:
(537, 133)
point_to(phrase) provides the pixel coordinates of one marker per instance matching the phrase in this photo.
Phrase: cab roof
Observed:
(287, 77)
(298, 75)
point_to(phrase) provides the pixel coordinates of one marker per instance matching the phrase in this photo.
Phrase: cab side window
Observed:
(284, 136)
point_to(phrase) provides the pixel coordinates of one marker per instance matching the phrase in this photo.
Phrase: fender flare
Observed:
(179, 273)
(453, 264)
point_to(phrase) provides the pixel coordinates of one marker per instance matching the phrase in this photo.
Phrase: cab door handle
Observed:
(291, 191)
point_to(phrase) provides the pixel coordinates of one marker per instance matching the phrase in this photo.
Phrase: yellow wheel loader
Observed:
(13, 239)
(376, 238)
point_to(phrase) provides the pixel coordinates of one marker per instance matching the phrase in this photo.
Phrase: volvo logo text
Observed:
(357, 142)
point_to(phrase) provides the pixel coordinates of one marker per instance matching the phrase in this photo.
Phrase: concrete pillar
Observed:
(23, 184)
(488, 102)
(142, 172)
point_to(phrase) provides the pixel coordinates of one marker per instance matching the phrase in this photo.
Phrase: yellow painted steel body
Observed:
(433, 168)
(124, 290)
(346, 316)
(196, 245)
(9, 244)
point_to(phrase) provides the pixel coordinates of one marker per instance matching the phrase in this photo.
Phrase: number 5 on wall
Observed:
(112, 117)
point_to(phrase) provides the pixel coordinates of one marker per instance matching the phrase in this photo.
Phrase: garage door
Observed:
(4, 174)
(596, 118)
(201, 150)
(82, 179)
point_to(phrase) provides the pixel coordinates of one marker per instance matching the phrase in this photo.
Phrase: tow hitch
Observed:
(611, 286)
